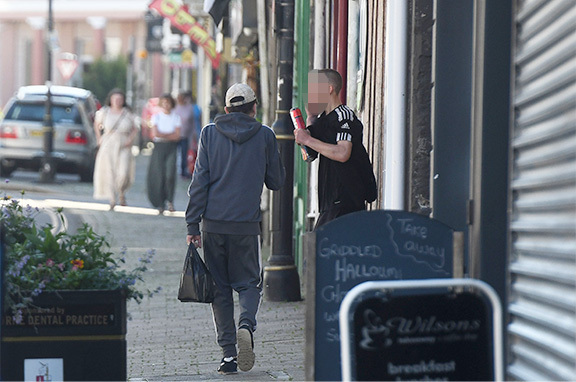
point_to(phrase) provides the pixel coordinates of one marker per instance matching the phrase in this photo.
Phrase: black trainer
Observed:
(246, 355)
(228, 366)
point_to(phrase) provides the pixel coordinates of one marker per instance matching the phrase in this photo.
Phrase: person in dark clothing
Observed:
(345, 176)
(237, 155)
(161, 176)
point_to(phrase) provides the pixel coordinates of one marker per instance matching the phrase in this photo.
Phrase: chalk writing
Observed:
(406, 244)
(333, 335)
(331, 316)
(407, 227)
(349, 271)
(333, 293)
(437, 254)
(334, 250)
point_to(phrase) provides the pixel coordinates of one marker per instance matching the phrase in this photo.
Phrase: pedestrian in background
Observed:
(237, 155)
(197, 119)
(115, 129)
(185, 110)
(161, 178)
(193, 150)
(215, 106)
(345, 175)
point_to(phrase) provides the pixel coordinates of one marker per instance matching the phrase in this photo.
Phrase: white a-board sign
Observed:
(423, 330)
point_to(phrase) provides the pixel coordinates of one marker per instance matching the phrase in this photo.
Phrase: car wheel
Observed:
(86, 175)
(6, 171)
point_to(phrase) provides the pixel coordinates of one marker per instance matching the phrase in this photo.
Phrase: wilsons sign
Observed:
(426, 334)
(375, 332)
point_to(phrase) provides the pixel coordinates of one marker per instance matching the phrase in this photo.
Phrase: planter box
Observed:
(83, 333)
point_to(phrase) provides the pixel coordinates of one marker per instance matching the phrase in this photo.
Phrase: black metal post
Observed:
(2, 231)
(281, 280)
(48, 165)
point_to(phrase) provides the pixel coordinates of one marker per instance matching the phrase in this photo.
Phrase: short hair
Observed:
(168, 97)
(246, 108)
(334, 78)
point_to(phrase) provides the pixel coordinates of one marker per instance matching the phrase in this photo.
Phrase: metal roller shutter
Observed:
(542, 307)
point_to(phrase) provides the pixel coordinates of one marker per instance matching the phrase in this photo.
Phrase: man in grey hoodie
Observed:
(237, 155)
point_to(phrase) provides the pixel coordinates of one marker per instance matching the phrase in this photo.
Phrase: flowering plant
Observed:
(38, 260)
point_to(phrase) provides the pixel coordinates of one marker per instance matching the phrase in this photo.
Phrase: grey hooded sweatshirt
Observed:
(237, 155)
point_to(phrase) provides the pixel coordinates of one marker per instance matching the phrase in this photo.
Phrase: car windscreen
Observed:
(23, 111)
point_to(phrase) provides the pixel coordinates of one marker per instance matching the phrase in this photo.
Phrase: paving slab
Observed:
(169, 340)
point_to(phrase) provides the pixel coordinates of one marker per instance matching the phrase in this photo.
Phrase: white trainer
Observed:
(246, 354)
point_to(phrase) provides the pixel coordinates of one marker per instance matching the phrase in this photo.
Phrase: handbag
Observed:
(115, 126)
(196, 283)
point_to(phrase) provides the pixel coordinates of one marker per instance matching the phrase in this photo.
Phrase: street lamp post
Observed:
(281, 280)
(48, 165)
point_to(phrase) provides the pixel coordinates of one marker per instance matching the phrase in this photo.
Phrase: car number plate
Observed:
(38, 133)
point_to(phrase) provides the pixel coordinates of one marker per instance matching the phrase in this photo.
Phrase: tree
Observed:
(104, 75)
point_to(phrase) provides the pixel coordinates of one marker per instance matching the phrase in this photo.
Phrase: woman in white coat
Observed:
(115, 129)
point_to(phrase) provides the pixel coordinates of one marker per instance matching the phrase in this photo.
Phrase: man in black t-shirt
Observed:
(345, 176)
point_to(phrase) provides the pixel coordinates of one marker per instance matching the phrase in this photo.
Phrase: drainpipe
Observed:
(334, 33)
(264, 60)
(342, 46)
(48, 163)
(319, 34)
(319, 62)
(353, 44)
(395, 104)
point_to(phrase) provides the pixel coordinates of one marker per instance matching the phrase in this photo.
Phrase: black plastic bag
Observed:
(196, 284)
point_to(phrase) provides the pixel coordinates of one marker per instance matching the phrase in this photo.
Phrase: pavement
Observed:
(169, 340)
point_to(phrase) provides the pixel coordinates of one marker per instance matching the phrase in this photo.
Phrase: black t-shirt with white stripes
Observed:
(341, 182)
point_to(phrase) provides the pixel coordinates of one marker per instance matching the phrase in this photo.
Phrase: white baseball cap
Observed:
(239, 94)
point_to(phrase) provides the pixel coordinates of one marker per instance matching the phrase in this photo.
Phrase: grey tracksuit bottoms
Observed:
(235, 264)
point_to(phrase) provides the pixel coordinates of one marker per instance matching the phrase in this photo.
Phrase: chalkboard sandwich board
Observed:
(366, 246)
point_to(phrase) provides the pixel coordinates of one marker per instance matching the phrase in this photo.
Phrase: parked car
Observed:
(91, 103)
(22, 131)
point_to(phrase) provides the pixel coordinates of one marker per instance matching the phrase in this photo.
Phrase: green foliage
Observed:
(38, 260)
(105, 75)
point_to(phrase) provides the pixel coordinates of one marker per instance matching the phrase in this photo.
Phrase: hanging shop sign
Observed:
(180, 18)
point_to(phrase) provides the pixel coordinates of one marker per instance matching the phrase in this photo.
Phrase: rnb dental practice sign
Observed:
(184, 21)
